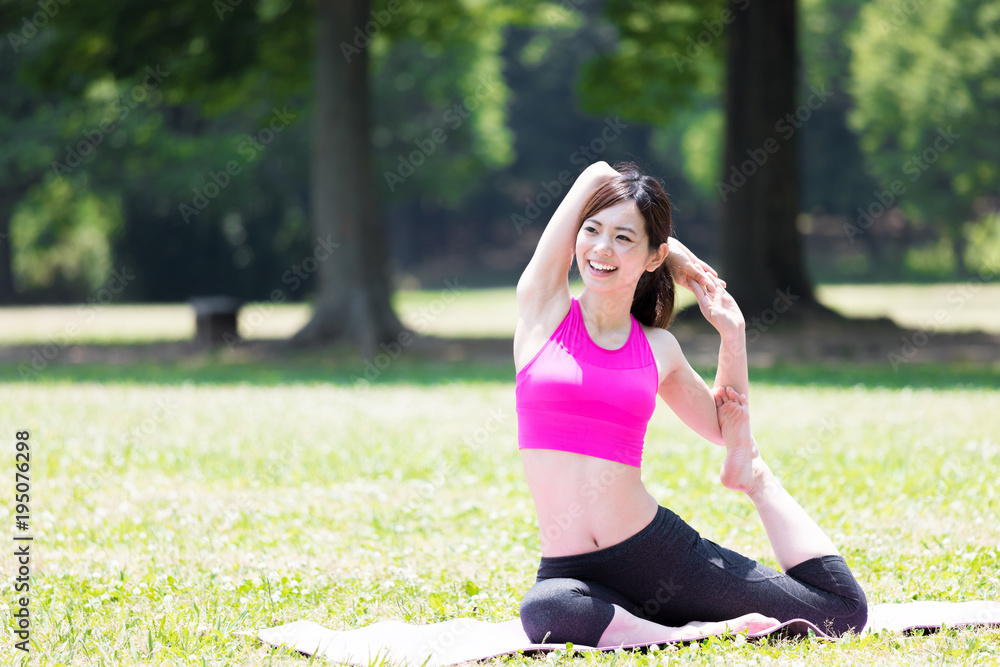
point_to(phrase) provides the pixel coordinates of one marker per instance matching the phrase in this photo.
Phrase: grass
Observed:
(470, 313)
(174, 506)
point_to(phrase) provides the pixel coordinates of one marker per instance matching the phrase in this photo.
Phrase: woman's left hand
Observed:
(719, 308)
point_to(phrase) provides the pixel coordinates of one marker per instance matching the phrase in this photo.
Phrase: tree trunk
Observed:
(761, 251)
(958, 247)
(353, 291)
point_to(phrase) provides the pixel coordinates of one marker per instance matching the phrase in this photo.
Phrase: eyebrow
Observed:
(619, 228)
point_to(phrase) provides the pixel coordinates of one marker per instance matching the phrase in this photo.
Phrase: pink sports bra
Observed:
(575, 396)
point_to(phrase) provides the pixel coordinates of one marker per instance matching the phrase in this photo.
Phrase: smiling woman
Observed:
(616, 568)
(619, 216)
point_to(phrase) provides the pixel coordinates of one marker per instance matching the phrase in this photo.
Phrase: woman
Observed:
(617, 568)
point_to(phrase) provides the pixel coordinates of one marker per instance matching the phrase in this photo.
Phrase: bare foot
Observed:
(750, 623)
(743, 468)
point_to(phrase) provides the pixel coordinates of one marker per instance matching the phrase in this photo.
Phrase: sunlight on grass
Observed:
(458, 312)
(170, 516)
(474, 313)
(970, 306)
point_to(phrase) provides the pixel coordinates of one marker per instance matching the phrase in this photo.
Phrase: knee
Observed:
(556, 611)
(857, 614)
(542, 609)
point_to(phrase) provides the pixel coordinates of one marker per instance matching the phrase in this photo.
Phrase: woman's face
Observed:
(612, 249)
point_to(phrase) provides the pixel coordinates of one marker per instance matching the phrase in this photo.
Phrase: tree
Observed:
(927, 107)
(220, 54)
(668, 53)
(28, 125)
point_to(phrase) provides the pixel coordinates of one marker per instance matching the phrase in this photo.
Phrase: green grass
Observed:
(968, 306)
(175, 504)
(470, 313)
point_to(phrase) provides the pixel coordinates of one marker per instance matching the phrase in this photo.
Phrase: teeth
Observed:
(602, 267)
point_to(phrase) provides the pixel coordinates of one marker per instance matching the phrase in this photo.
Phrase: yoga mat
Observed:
(464, 639)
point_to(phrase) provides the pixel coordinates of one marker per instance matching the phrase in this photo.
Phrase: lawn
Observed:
(174, 504)
(461, 311)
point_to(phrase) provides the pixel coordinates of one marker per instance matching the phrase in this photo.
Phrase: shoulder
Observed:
(666, 350)
(539, 316)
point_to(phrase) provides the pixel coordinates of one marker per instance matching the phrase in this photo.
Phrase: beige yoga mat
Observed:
(464, 639)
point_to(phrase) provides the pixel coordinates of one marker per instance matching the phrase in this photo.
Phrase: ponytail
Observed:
(653, 303)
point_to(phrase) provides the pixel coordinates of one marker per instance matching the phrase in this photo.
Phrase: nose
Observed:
(603, 245)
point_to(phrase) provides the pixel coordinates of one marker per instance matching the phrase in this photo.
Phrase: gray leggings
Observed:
(669, 574)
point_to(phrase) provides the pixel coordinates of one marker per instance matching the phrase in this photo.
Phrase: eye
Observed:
(624, 238)
(590, 229)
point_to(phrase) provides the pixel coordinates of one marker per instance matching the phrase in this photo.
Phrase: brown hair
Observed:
(653, 303)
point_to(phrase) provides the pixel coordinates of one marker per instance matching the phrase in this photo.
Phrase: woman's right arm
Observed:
(547, 274)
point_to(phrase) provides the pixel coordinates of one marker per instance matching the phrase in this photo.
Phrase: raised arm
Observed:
(720, 309)
(687, 394)
(547, 273)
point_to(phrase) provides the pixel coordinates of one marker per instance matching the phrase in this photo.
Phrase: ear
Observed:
(657, 258)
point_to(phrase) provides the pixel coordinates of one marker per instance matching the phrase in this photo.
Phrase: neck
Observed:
(607, 311)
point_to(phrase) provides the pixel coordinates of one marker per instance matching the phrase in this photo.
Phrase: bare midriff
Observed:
(585, 503)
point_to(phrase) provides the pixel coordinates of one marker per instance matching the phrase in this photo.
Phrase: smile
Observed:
(602, 268)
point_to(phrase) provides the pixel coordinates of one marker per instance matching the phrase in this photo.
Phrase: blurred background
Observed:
(257, 298)
(336, 155)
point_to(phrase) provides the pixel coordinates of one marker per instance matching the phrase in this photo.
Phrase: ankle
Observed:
(764, 484)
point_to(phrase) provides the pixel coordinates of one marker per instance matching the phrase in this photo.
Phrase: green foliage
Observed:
(436, 68)
(666, 54)
(440, 97)
(983, 254)
(62, 238)
(923, 73)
